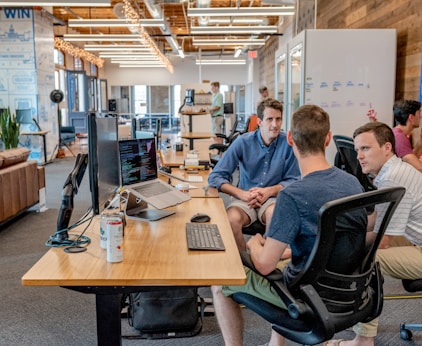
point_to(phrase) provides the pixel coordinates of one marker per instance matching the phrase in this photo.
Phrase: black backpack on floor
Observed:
(166, 312)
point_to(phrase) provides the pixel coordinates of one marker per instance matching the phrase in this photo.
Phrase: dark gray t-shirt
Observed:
(295, 220)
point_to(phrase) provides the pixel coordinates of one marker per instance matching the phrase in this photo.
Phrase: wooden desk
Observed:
(174, 158)
(190, 114)
(191, 136)
(39, 133)
(210, 192)
(154, 254)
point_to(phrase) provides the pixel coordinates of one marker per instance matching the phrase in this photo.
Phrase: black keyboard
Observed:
(203, 236)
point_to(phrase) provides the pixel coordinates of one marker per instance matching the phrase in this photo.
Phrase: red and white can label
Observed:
(114, 231)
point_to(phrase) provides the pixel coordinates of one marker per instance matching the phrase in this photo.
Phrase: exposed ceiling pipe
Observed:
(156, 13)
(203, 20)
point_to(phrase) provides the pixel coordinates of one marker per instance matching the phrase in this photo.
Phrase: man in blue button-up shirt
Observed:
(266, 164)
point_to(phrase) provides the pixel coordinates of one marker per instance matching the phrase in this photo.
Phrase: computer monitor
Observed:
(24, 116)
(190, 97)
(103, 159)
(228, 108)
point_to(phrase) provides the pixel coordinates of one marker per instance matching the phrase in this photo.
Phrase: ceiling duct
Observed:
(118, 10)
(156, 13)
(203, 20)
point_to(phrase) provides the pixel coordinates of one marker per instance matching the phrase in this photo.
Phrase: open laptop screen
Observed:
(138, 160)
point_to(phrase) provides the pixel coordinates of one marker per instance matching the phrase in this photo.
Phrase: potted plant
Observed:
(9, 129)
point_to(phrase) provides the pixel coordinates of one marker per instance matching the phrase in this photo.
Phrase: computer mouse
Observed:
(199, 217)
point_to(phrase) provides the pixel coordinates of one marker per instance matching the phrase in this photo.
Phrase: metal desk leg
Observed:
(45, 148)
(109, 325)
(191, 143)
(190, 124)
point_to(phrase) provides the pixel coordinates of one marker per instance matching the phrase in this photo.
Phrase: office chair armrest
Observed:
(218, 146)
(295, 308)
(220, 135)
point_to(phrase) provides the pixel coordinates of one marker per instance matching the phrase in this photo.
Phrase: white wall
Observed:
(184, 72)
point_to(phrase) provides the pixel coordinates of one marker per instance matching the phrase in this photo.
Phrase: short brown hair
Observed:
(262, 89)
(217, 84)
(309, 129)
(382, 132)
(270, 103)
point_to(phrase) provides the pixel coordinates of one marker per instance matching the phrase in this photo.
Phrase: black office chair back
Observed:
(319, 301)
(233, 131)
(347, 160)
(222, 147)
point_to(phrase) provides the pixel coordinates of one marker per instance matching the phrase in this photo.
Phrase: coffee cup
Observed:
(178, 146)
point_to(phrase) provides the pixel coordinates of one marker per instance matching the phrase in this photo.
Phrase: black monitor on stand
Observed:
(190, 97)
(103, 159)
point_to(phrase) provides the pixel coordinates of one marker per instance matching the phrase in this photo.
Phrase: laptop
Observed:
(136, 208)
(139, 174)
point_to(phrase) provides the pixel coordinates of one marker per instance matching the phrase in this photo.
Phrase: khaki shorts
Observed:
(254, 214)
(217, 124)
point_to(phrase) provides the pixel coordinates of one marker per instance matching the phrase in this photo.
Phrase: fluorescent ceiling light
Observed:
(228, 42)
(220, 62)
(74, 3)
(140, 66)
(265, 29)
(118, 49)
(113, 46)
(237, 52)
(99, 37)
(237, 20)
(92, 23)
(136, 62)
(118, 56)
(240, 11)
(128, 51)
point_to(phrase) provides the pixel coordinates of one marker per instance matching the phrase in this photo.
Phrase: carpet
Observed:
(32, 316)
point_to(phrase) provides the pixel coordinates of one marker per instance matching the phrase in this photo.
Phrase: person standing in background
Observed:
(264, 94)
(217, 111)
(407, 116)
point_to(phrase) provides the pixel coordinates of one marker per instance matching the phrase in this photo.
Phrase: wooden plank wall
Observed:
(403, 15)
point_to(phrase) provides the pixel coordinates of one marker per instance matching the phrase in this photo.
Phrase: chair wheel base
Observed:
(406, 334)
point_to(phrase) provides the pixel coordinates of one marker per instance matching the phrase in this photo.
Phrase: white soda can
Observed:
(114, 231)
(103, 231)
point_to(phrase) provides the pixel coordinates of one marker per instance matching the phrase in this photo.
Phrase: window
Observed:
(78, 64)
(58, 57)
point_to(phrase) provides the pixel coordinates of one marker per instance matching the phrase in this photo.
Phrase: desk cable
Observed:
(75, 242)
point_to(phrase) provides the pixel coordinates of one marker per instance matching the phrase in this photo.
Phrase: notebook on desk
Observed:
(139, 174)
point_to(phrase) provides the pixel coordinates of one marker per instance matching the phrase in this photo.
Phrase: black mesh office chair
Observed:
(222, 147)
(410, 286)
(320, 302)
(347, 160)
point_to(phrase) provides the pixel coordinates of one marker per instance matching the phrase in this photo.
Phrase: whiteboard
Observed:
(349, 71)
